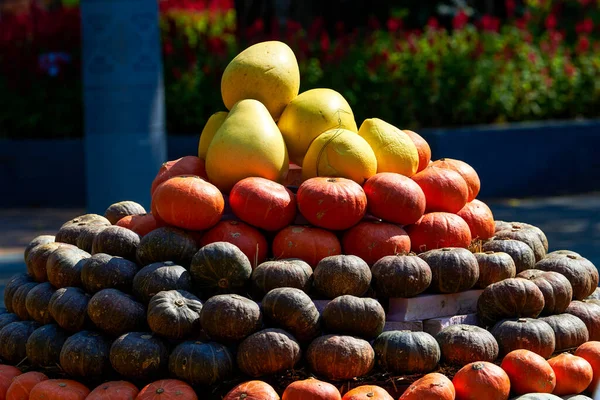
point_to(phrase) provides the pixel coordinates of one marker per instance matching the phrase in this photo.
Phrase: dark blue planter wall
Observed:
(521, 160)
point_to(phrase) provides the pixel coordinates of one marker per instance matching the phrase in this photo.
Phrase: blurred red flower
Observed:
(490, 23)
(460, 20)
(583, 44)
(550, 22)
(433, 23)
(585, 26)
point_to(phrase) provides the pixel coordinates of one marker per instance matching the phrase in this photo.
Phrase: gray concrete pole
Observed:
(125, 140)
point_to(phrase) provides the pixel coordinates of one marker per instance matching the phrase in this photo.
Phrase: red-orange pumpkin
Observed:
(311, 389)
(372, 241)
(528, 372)
(480, 219)
(263, 203)
(481, 380)
(141, 224)
(167, 389)
(437, 230)
(308, 244)
(189, 202)
(332, 203)
(433, 386)
(590, 351)
(249, 240)
(573, 374)
(7, 373)
(445, 190)
(367, 392)
(59, 389)
(252, 390)
(188, 165)
(465, 170)
(394, 198)
(22, 385)
(422, 148)
(114, 390)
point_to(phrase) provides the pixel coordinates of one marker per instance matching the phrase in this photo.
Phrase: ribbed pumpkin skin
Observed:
(19, 300)
(436, 230)
(139, 355)
(422, 148)
(21, 385)
(480, 219)
(63, 266)
(36, 303)
(521, 254)
(530, 228)
(494, 267)
(292, 310)
(394, 198)
(87, 235)
(513, 297)
(36, 241)
(70, 230)
(36, 260)
(464, 344)
(201, 363)
(372, 241)
(7, 373)
(229, 318)
(156, 277)
(267, 352)
(174, 314)
(524, 333)
(433, 386)
(342, 274)
(121, 209)
(187, 165)
(366, 392)
(141, 224)
(166, 244)
(355, 316)
(166, 389)
(467, 172)
(116, 313)
(528, 372)
(400, 276)
(252, 390)
(445, 190)
(117, 241)
(308, 244)
(590, 351)
(555, 287)
(582, 274)
(406, 352)
(13, 340)
(7, 318)
(59, 389)
(14, 283)
(325, 352)
(569, 331)
(311, 389)
(44, 345)
(103, 271)
(527, 236)
(481, 380)
(68, 307)
(114, 390)
(293, 273)
(247, 238)
(453, 270)
(85, 354)
(573, 374)
(589, 313)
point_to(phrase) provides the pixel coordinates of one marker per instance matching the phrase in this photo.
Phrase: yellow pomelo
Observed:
(310, 114)
(394, 149)
(248, 143)
(267, 72)
(340, 152)
(208, 133)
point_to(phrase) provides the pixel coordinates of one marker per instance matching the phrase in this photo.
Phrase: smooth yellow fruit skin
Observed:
(267, 72)
(248, 143)
(394, 149)
(310, 114)
(208, 133)
(340, 152)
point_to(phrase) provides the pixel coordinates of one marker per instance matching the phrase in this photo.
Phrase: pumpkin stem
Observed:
(522, 320)
(62, 384)
(243, 396)
(179, 302)
(160, 391)
(370, 394)
(446, 249)
(478, 366)
(571, 256)
(489, 252)
(223, 283)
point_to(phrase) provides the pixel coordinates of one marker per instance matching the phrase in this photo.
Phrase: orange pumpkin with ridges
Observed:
(372, 241)
(248, 239)
(573, 374)
(188, 202)
(188, 165)
(21, 385)
(252, 390)
(437, 230)
(114, 390)
(590, 351)
(167, 389)
(480, 219)
(465, 170)
(481, 380)
(528, 372)
(308, 244)
(332, 203)
(311, 389)
(422, 148)
(433, 386)
(59, 389)
(7, 373)
(367, 392)
(263, 203)
(445, 190)
(394, 198)
(141, 224)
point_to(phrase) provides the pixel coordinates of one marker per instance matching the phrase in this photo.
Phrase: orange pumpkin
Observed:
(189, 202)
(248, 239)
(528, 372)
(372, 241)
(252, 390)
(573, 374)
(422, 148)
(141, 224)
(480, 219)
(311, 245)
(263, 203)
(59, 389)
(465, 170)
(332, 203)
(188, 165)
(445, 190)
(7, 373)
(433, 386)
(394, 198)
(481, 380)
(167, 389)
(590, 351)
(114, 390)
(367, 392)
(437, 230)
(311, 389)
(22, 384)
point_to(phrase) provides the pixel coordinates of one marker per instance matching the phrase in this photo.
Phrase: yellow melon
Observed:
(208, 133)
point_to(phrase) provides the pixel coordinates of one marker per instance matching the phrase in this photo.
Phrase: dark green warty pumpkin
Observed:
(201, 363)
(174, 314)
(160, 276)
(13, 340)
(116, 313)
(86, 354)
(139, 355)
(103, 271)
(292, 310)
(167, 244)
(44, 345)
(229, 318)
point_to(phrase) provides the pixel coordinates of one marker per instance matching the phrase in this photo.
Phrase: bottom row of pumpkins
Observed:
(521, 372)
